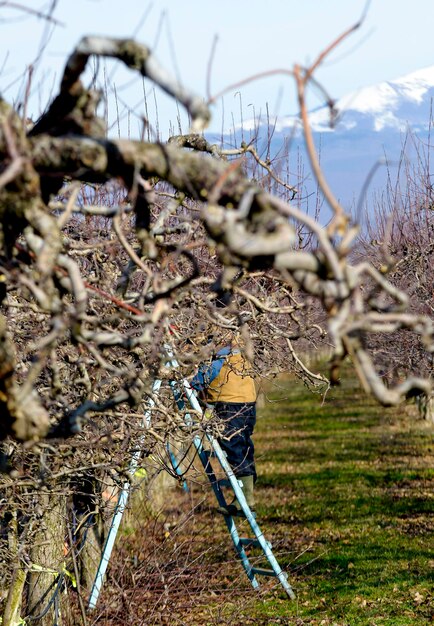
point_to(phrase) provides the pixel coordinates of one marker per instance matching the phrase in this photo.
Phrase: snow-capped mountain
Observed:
(392, 104)
(371, 125)
(388, 105)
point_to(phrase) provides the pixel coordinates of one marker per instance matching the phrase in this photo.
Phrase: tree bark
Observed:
(12, 611)
(45, 586)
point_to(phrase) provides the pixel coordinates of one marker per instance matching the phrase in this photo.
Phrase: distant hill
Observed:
(372, 124)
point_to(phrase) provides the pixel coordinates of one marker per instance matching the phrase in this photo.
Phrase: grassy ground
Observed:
(352, 484)
(346, 495)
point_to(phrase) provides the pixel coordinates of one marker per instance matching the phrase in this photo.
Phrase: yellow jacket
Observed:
(227, 379)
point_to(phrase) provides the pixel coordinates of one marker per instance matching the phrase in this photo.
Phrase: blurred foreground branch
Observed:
(188, 232)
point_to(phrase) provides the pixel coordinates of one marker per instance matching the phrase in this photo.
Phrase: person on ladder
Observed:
(227, 387)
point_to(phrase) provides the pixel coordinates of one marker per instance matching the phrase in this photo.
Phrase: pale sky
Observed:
(253, 36)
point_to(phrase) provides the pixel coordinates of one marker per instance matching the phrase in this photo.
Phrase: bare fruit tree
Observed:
(116, 254)
(399, 241)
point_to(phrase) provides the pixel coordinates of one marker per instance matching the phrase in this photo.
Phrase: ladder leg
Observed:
(271, 558)
(251, 519)
(239, 494)
(119, 510)
(229, 520)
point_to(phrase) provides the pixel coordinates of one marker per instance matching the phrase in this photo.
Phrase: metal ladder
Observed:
(240, 543)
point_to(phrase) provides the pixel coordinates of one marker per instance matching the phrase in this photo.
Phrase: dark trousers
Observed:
(239, 420)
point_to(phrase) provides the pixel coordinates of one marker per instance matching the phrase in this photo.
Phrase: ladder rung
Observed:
(209, 454)
(255, 543)
(224, 482)
(246, 541)
(239, 516)
(265, 572)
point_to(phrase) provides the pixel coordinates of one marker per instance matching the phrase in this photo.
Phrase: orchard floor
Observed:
(346, 496)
